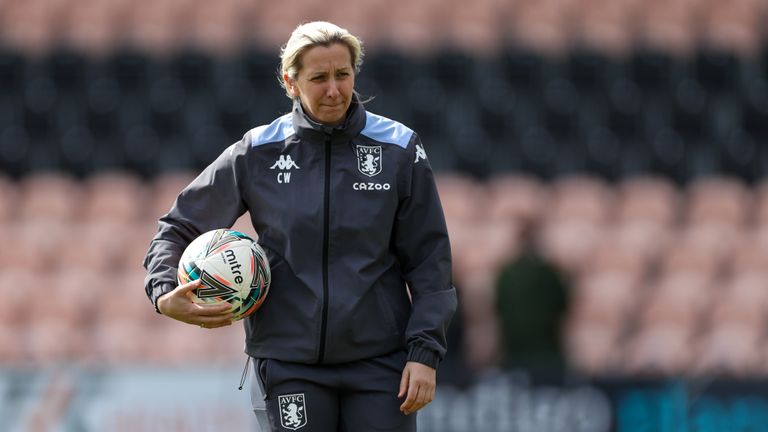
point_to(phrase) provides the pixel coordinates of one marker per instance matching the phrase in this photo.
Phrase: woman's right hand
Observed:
(178, 305)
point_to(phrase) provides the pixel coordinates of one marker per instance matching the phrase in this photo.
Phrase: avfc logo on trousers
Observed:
(369, 159)
(293, 411)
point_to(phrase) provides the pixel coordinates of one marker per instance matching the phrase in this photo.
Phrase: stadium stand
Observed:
(630, 130)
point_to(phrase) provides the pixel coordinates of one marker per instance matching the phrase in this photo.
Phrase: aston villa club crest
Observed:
(293, 411)
(369, 160)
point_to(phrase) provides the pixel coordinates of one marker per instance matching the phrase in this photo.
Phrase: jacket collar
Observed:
(305, 127)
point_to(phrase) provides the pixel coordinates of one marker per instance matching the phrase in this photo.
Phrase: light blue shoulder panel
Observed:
(278, 130)
(385, 130)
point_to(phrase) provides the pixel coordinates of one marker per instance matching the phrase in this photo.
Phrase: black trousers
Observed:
(351, 397)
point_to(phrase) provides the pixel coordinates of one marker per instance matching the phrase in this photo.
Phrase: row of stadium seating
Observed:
(517, 110)
(665, 280)
(551, 26)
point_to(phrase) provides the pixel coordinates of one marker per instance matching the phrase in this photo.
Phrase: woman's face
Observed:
(325, 83)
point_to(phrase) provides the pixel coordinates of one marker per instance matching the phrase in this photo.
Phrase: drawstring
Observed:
(245, 372)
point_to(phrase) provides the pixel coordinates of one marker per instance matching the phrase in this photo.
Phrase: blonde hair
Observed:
(309, 35)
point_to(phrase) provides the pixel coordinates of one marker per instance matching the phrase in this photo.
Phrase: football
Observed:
(233, 269)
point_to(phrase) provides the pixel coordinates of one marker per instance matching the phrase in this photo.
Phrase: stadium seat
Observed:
(164, 189)
(69, 70)
(655, 200)
(658, 351)
(593, 348)
(516, 199)
(103, 96)
(194, 69)
(54, 196)
(729, 349)
(13, 69)
(130, 68)
(718, 200)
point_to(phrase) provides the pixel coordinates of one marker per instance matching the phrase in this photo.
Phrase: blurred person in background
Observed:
(346, 208)
(531, 302)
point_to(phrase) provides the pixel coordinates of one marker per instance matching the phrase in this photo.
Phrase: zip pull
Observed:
(245, 372)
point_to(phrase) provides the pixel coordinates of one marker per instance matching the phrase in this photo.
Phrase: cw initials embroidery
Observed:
(285, 164)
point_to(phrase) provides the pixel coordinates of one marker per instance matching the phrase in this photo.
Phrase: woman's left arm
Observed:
(424, 253)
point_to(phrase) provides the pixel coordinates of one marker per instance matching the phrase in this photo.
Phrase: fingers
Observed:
(418, 386)
(404, 384)
(189, 287)
(214, 322)
(418, 397)
(212, 309)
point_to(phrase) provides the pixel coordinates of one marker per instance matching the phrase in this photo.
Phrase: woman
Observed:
(346, 208)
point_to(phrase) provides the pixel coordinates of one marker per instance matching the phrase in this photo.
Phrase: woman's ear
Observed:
(290, 85)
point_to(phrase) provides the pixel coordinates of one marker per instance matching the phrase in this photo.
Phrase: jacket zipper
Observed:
(326, 234)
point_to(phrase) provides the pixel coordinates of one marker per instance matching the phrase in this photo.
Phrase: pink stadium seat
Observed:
(569, 243)
(155, 27)
(735, 27)
(541, 26)
(114, 196)
(483, 247)
(582, 199)
(605, 26)
(606, 297)
(760, 205)
(51, 341)
(663, 349)
(730, 349)
(163, 192)
(593, 347)
(49, 196)
(667, 26)
(91, 26)
(473, 27)
(652, 200)
(123, 342)
(750, 252)
(184, 344)
(124, 299)
(216, 27)
(12, 346)
(67, 296)
(481, 329)
(94, 246)
(416, 24)
(680, 297)
(33, 245)
(721, 201)
(17, 287)
(684, 255)
(8, 199)
(29, 25)
(743, 299)
(515, 198)
(624, 249)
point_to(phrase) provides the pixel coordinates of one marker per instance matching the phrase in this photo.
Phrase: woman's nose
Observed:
(333, 89)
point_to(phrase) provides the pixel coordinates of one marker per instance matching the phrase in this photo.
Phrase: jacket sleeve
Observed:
(424, 253)
(213, 200)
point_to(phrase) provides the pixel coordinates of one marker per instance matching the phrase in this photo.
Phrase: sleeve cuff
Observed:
(158, 292)
(424, 356)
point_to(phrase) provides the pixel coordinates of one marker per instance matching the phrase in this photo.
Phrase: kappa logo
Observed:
(369, 160)
(293, 411)
(420, 153)
(284, 163)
